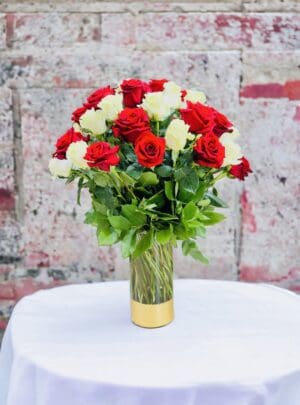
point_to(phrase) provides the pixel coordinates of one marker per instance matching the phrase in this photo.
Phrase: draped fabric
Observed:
(230, 344)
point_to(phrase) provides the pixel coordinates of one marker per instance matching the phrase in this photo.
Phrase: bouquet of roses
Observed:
(150, 154)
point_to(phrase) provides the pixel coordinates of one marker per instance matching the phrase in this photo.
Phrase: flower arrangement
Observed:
(150, 154)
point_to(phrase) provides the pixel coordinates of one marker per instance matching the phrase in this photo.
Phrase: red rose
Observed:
(102, 155)
(221, 123)
(183, 94)
(157, 84)
(94, 99)
(199, 117)
(131, 123)
(150, 149)
(78, 113)
(242, 170)
(209, 151)
(133, 92)
(64, 142)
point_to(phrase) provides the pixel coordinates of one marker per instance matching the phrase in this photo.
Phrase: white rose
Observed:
(172, 95)
(59, 167)
(111, 105)
(234, 134)
(233, 152)
(94, 121)
(77, 127)
(155, 106)
(177, 134)
(195, 96)
(75, 154)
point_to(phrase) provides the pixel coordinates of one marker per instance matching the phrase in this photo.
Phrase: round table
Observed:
(230, 344)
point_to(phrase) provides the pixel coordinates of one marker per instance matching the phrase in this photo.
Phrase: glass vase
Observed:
(151, 287)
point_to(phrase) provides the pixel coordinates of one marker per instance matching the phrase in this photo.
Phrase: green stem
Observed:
(219, 177)
(151, 277)
(157, 128)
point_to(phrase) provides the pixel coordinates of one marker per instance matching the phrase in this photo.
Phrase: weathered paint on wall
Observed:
(244, 54)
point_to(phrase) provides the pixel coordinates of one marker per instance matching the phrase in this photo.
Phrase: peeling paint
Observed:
(248, 217)
(290, 90)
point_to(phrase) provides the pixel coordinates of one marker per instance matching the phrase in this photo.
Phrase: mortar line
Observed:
(18, 155)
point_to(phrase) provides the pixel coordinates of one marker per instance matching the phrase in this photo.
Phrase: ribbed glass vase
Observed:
(151, 286)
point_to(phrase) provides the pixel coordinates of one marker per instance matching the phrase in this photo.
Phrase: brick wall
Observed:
(243, 53)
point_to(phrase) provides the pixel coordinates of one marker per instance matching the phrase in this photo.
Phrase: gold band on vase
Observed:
(152, 316)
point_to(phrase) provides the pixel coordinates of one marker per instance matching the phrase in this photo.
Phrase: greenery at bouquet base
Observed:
(150, 155)
(165, 205)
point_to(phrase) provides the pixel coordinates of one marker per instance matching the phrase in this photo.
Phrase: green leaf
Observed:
(143, 244)
(185, 158)
(181, 232)
(99, 207)
(115, 178)
(119, 222)
(190, 182)
(126, 179)
(134, 216)
(163, 236)
(128, 243)
(94, 218)
(216, 201)
(157, 199)
(104, 195)
(148, 179)
(101, 179)
(164, 170)
(200, 191)
(204, 203)
(189, 212)
(189, 247)
(107, 236)
(212, 218)
(201, 231)
(198, 255)
(128, 152)
(135, 170)
(169, 190)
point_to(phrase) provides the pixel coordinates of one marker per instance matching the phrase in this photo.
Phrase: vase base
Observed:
(152, 316)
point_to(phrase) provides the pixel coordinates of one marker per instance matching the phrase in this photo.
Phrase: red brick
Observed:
(26, 286)
(261, 274)
(290, 90)
(52, 29)
(7, 199)
(204, 70)
(297, 114)
(7, 291)
(53, 224)
(270, 201)
(248, 217)
(175, 31)
(268, 90)
(5, 270)
(3, 323)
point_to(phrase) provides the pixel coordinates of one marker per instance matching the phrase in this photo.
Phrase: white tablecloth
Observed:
(230, 344)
